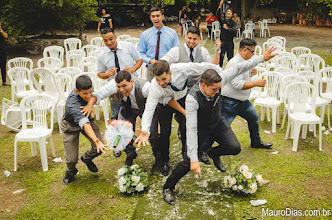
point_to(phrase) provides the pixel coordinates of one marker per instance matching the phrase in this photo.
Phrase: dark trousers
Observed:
(70, 137)
(226, 47)
(3, 61)
(165, 115)
(228, 145)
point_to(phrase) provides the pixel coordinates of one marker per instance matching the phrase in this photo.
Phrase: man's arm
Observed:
(172, 56)
(216, 57)
(174, 104)
(137, 57)
(249, 85)
(91, 134)
(142, 48)
(110, 22)
(98, 28)
(4, 34)
(137, 65)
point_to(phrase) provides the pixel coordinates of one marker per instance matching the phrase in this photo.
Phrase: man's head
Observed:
(84, 87)
(184, 7)
(235, 14)
(162, 73)
(103, 11)
(109, 37)
(247, 48)
(193, 37)
(124, 82)
(228, 14)
(210, 82)
(156, 17)
(211, 14)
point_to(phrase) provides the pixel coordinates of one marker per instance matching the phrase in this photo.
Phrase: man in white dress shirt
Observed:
(118, 55)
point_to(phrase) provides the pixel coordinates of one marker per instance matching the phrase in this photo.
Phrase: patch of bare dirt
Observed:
(320, 188)
(12, 197)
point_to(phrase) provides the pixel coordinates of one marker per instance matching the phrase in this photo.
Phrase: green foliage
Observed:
(38, 16)
(315, 7)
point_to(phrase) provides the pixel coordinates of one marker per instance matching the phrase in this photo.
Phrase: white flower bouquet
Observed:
(131, 179)
(244, 180)
(118, 135)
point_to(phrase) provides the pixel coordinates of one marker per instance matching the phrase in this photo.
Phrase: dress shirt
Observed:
(173, 55)
(234, 89)
(127, 56)
(148, 42)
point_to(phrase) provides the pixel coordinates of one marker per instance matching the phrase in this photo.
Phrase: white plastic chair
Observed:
(123, 37)
(88, 49)
(276, 40)
(318, 63)
(287, 61)
(284, 70)
(72, 44)
(39, 104)
(254, 92)
(21, 86)
(54, 51)
(64, 84)
(51, 63)
(20, 62)
(96, 52)
(248, 31)
(305, 62)
(269, 96)
(11, 114)
(298, 96)
(266, 29)
(325, 88)
(74, 58)
(133, 41)
(258, 50)
(71, 71)
(285, 81)
(300, 50)
(89, 64)
(286, 54)
(283, 39)
(98, 41)
(142, 72)
(215, 32)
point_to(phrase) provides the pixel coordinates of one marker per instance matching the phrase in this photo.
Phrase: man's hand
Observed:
(111, 72)
(260, 82)
(218, 43)
(225, 26)
(87, 110)
(100, 146)
(143, 138)
(221, 3)
(130, 70)
(253, 72)
(194, 166)
(268, 53)
(152, 62)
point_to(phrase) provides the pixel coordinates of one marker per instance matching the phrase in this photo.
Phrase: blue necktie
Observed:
(176, 89)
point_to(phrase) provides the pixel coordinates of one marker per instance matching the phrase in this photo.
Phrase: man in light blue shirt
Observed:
(155, 42)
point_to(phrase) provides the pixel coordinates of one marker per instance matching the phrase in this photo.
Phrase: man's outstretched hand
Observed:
(143, 138)
(268, 53)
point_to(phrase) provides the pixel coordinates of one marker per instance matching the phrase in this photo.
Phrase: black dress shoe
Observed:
(69, 178)
(266, 145)
(218, 164)
(5, 84)
(91, 166)
(204, 157)
(164, 169)
(169, 196)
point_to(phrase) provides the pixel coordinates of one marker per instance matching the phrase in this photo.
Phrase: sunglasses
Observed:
(252, 51)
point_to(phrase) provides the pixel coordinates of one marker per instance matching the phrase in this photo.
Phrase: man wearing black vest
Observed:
(132, 92)
(205, 122)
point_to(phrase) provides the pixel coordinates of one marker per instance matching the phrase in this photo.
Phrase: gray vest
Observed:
(140, 100)
(184, 56)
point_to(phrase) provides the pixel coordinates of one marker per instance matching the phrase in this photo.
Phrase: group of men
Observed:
(182, 80)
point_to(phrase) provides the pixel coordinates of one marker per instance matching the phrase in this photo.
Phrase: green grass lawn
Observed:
(298, 180)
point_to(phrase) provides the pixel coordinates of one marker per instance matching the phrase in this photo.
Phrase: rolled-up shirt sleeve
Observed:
(238, 82)
(74, 109)
(105, 91)
(191, 126)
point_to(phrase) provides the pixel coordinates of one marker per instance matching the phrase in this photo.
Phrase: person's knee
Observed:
(237, 148)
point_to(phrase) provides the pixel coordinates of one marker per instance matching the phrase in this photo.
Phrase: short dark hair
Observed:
(155, 9)
(107, 30)
(194, 30)
(247, 42)
(160, 67)
(122, 75)
(210, 77)
(83, 82)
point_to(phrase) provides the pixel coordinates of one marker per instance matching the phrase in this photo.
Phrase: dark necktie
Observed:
(156, 56)
(126, 108)
(176, 89)
(191, 54)
(116, 61)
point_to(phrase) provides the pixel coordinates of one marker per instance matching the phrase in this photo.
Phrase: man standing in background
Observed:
(3, 55)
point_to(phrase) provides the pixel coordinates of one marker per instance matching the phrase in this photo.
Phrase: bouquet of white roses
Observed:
(244, 180)
(131, 179)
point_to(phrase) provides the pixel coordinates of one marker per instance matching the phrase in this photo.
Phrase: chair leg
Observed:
(278, 116)
(304, 131)
(320, 137)
(328, 116)
(52, 146)
(15, 155)
(274, 119)
(43, 153)
(268, 114)
(284, 118)
(262, 113)
(33, 149)
(287, 130)
(296, 129)
(97, 113)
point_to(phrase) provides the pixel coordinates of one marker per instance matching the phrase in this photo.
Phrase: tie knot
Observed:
(159, 32)
(191, 49)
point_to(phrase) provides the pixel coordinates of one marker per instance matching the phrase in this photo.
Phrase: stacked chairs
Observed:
(54, 51)
(72, 44)
(88, 49)
(300, 50)
(74, 57)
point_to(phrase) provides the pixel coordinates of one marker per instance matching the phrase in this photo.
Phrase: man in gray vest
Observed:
(132, 92)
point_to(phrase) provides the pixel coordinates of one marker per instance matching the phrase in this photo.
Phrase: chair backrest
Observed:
(74, 57)
(258, 50)
(283, 39)
(96, 52)
(299, 95)
(19, 80)
(286, 61)
(20, 62)
(54, 51)
(260, 70)
(311, 77)
(40, 105)
(276, 40)
(44, 81)
(271, 89)
(72, 44)
(98, 41)
(318, 63)
(215, 25)
(64, 84)
(133, 41)
(88, 49)
(71, 71)
(51, 63)
(300, 50)
(278, 47)
(286, 54)
(325, 78)
(249, 27)
(89, 64)
(286, 80)
(123, 37)
(305, 62)
(284, 70)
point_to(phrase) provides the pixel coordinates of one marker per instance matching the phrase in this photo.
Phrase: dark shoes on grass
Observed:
(91, 166)
(169, 196)
(262, 144)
